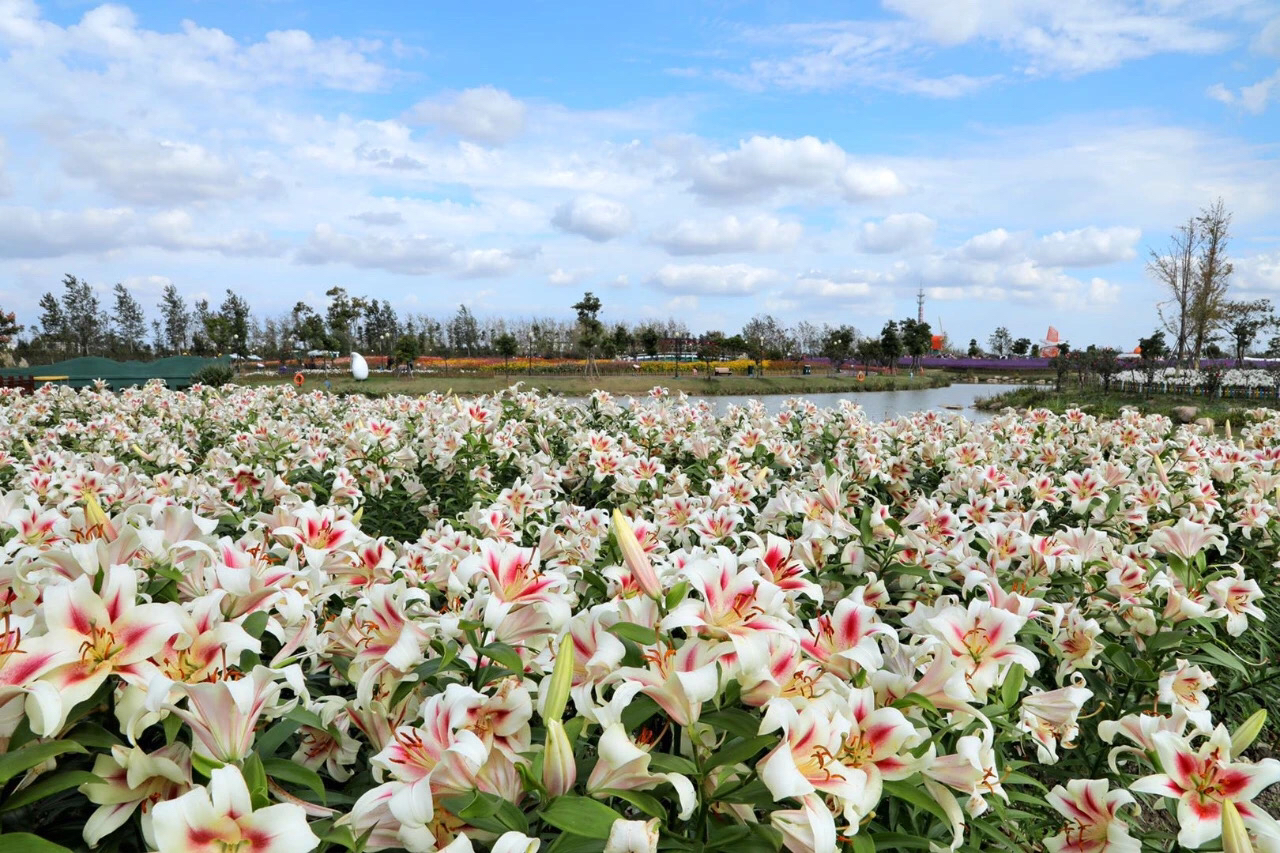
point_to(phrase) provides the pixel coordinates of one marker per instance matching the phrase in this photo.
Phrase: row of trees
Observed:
(75, 322)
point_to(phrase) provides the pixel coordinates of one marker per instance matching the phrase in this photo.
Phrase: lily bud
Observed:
(559, 769)
(634, 556)
(1235, 838)
(96, 519)
(1228, 430)
(1160, 472)
(1247, 732)
(560, 682)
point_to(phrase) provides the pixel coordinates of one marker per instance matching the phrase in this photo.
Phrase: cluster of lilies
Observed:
(264, 620)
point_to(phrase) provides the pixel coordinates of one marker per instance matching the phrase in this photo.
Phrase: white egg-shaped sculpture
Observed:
(359, 367)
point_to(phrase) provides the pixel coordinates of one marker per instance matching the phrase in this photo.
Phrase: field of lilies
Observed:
(263, 620)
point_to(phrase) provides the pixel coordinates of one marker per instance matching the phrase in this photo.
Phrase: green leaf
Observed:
(1012, 687)
(1214, 654)
(646, 803)
(734, 721)
(916, 699)
(503, 654)
(306, 717)
(25, 842)
(738, 751)
(916, 797)
(488, 812)
(633, 632)
(284, 770)
(255, 623)
(667, 763)
(47, 786)
(22, 760)
(270, 742)
(640, 709)
(255, 778)
(898, 841)
(94, 735)
(676, 594)
(580, 816)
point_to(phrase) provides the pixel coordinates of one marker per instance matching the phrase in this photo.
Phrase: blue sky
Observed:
(707, 161)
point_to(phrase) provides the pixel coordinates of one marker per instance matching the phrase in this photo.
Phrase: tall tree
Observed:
(176, 318)
(464, 332)
(765, 338)
(1001, 342)
(917, 338)
(54, 333)
(1213, 276)
(711, 348)
(234, 313)
(1151, 350)
(890, 344)
(9, 328)
(837, 344)
(85, 321)
(1243, 321)
(649, 340)
(341, 313)
(1175, 270)
(506, 346)
(129, 323)
(590, 329)
(1021, 347)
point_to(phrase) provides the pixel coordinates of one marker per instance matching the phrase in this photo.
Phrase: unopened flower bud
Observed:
(560, 681)
(559, 769)
(96, 519)
(1235, 838)
(1247, 732)
(634, 556)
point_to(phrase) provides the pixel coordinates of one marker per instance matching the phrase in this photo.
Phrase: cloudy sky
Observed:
(820, 161)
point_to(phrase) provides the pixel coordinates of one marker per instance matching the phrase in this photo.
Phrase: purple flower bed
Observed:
(981, 363)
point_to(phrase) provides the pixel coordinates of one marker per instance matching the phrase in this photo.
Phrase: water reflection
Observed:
(886, 405)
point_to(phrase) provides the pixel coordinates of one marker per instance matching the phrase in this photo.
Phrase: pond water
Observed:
(883, 405)
(886, 405)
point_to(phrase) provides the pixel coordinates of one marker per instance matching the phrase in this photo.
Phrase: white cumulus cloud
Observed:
(896, 233)
(760, 233)
(1087, 247)
(593, 217)
(761, 165)
(484, 114)
(714, 280)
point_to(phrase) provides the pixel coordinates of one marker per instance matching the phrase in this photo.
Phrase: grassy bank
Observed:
(1110, 404)
(577, 386)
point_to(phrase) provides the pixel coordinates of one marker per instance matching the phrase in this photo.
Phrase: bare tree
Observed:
(1175, 270)
(1212, 277)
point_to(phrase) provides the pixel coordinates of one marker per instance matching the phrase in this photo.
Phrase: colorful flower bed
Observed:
(248, 620)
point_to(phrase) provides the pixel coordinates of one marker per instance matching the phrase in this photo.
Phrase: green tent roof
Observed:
(176, 371)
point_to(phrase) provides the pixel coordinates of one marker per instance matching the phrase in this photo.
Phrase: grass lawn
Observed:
(1109, 404)
(577, 386)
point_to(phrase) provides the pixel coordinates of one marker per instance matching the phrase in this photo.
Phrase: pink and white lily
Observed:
(1202, 778)
(1093, 824)
(221, 818)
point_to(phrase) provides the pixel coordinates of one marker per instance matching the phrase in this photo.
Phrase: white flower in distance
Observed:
(221, 818)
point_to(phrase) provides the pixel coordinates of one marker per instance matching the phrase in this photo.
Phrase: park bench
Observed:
(722, 371)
